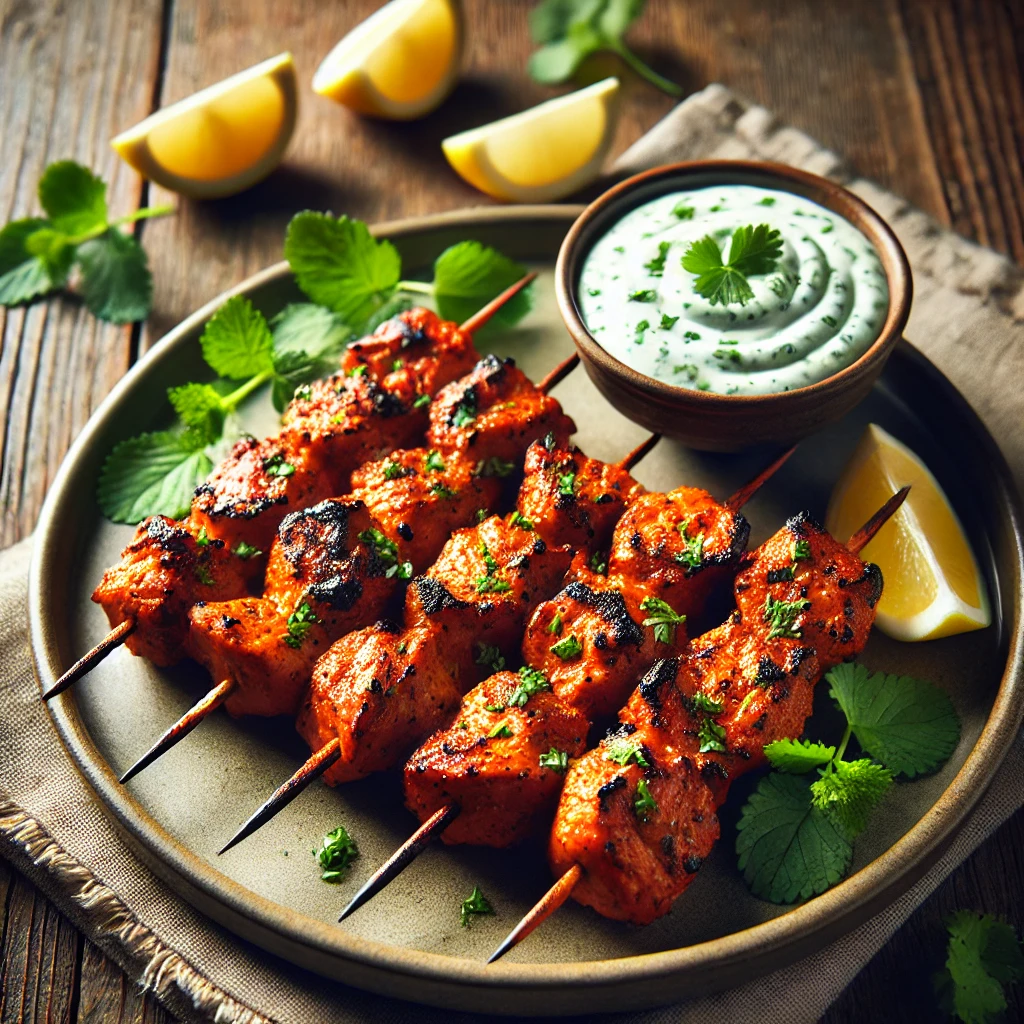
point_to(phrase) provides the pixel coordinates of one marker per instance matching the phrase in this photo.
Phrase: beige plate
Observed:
(408, 941)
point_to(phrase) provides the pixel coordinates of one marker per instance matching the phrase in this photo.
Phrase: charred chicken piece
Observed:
(330, 571)
(161, 574)
(571, 498)
(635, 813)
(493, 414)
(501, 761)
(803, 584)
(590, 641)
(484, 583)
(417, 348)
(379, 691)
(418, 497)
(682, 544)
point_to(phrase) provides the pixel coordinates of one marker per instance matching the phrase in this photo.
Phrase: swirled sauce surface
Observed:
(816, 312)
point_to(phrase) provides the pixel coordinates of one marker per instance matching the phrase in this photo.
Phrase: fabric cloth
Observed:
(51, 828)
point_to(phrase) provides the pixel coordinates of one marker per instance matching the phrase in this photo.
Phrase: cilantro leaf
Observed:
(475, 903)
(797, 756)
(983, 955)
(73, 197)
(336, 852)
(152, 474)
(755, 250)
(789, 849)
(307, 340)
(237, 342)
(201, 407)
(23, 275)
(339, 264)
(848, 792)
(908, 724)
(116, 282)
(468, 275)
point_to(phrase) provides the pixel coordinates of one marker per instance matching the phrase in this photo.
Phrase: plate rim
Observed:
(452, 981)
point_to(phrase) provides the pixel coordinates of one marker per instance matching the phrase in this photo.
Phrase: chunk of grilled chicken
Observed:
(378, 691)
(416, 347)
(418, 496)
(634, 812)
(494, 413)
(803, 583)
(499, 762)
(326, 576)
(161, 574)
(485, 582)
(682, 544)
(590, 641)
(571, 498)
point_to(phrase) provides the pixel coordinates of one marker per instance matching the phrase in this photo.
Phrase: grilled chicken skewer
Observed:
(588, 646)
(411, 355)
(333, 567)
(638, 814)
(379, 691)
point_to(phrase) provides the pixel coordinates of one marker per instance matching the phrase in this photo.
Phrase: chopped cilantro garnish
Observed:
(555, 626)
(439, 490)
(662, 617)
(245, 551)
(490, 656)
(202, 538)
(711, 736)
(465, 412)
(336, 852)
(492, 585)
(598, 562)
(300, 622)
(387, 552)
(567, 483)
(494, 467)
(780, 615)
(623, 749)
(203, 575)
(656, 266)
(518, 519)
(692, 553)
(801, 550)
(683, 211)
(531, 681)
(567, 648)
(475, 903)
(421, 401)
(643, 295)
(500, 732)
(556, 760)
(276, 466)
(395, 470)
(645, 805)
(433, 462)
(708, 705)
(667, 321)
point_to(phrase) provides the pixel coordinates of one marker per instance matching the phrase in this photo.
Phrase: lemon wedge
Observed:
(932, 584)
(220, 140)
(400, 63)
(545, 152)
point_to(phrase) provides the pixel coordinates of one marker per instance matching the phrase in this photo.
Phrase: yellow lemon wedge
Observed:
(220, 140)
(932, 584)
(400, 63)
(543, 153)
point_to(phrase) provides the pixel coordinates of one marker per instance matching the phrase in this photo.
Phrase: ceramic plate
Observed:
(408, 941)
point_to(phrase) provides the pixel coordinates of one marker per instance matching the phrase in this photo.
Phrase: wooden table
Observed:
(926, 96)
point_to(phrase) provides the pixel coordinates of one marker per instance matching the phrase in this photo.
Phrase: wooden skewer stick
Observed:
(641, 451)
(481, 316)
(560, 372)
(317, 764)
(560, 891)
(85, 663)
(402, 857)
(183, 726)
(747, 491)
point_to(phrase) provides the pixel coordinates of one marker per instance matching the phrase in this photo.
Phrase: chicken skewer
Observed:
(326, 577)
(780, 596)
(358, 718)
(450, 775)
(372, 360)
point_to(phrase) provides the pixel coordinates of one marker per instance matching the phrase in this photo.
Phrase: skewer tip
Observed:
(559, 373)
(481, 316)
(641, 451)
(90, 659)
(748, 490)
(542, 910)
(861, 538)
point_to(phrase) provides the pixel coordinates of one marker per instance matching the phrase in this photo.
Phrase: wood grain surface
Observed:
(926, 96)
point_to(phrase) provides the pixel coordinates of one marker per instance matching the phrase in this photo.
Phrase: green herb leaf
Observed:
(644, 805)
(662, 616)
(567, 648)
(707, 705)
(201, 407)
(490, 656)
(492, 585)
(643, 295)
(339, 264)
(848, 792)
(781, 617)
(245, 551)
(908, 724)
(692, 554)
(711, 736)
(307, 341)
(531, 681)
(789, 849)
(801, 550)
(300, 622)
(152, 474)
(754, 250)
(336, 853)
(656, 266)
(73, 197)
(983, 955)
(387, 552)
(433, 463)
(500, 732)
(116, 282)
(797, 756)
(23, 276)
(567, 483)
(555, 626)
(518, 519)
(468, 275)
(475, 903)
(494, 466)
(237, 342)
(556, 760)
(623, 749)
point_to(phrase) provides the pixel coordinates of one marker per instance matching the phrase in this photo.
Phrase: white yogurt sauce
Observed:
(817, 312)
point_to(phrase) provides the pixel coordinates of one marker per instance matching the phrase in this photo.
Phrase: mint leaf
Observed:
(73, 197)
(339, 264)
(468, 275)
(199, 406)
(788, 849)
(308, 340)
(152, 474)
(237, 342)
(797, 756)
(848, 792)
(116, 282)
(23, 275)
(908, 724)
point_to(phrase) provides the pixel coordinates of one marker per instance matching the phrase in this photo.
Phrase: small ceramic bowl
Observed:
(701, 419)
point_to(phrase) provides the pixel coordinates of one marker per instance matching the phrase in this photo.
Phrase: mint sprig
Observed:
(40, 255)
(754, 250)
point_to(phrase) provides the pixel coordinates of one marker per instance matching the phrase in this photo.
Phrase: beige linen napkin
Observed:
(52, 829)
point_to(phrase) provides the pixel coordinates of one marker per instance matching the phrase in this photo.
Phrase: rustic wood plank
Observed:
(38, 960)
(106, 996)
(69, 79)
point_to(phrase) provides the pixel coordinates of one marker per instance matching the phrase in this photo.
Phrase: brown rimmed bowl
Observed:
(702, 419)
